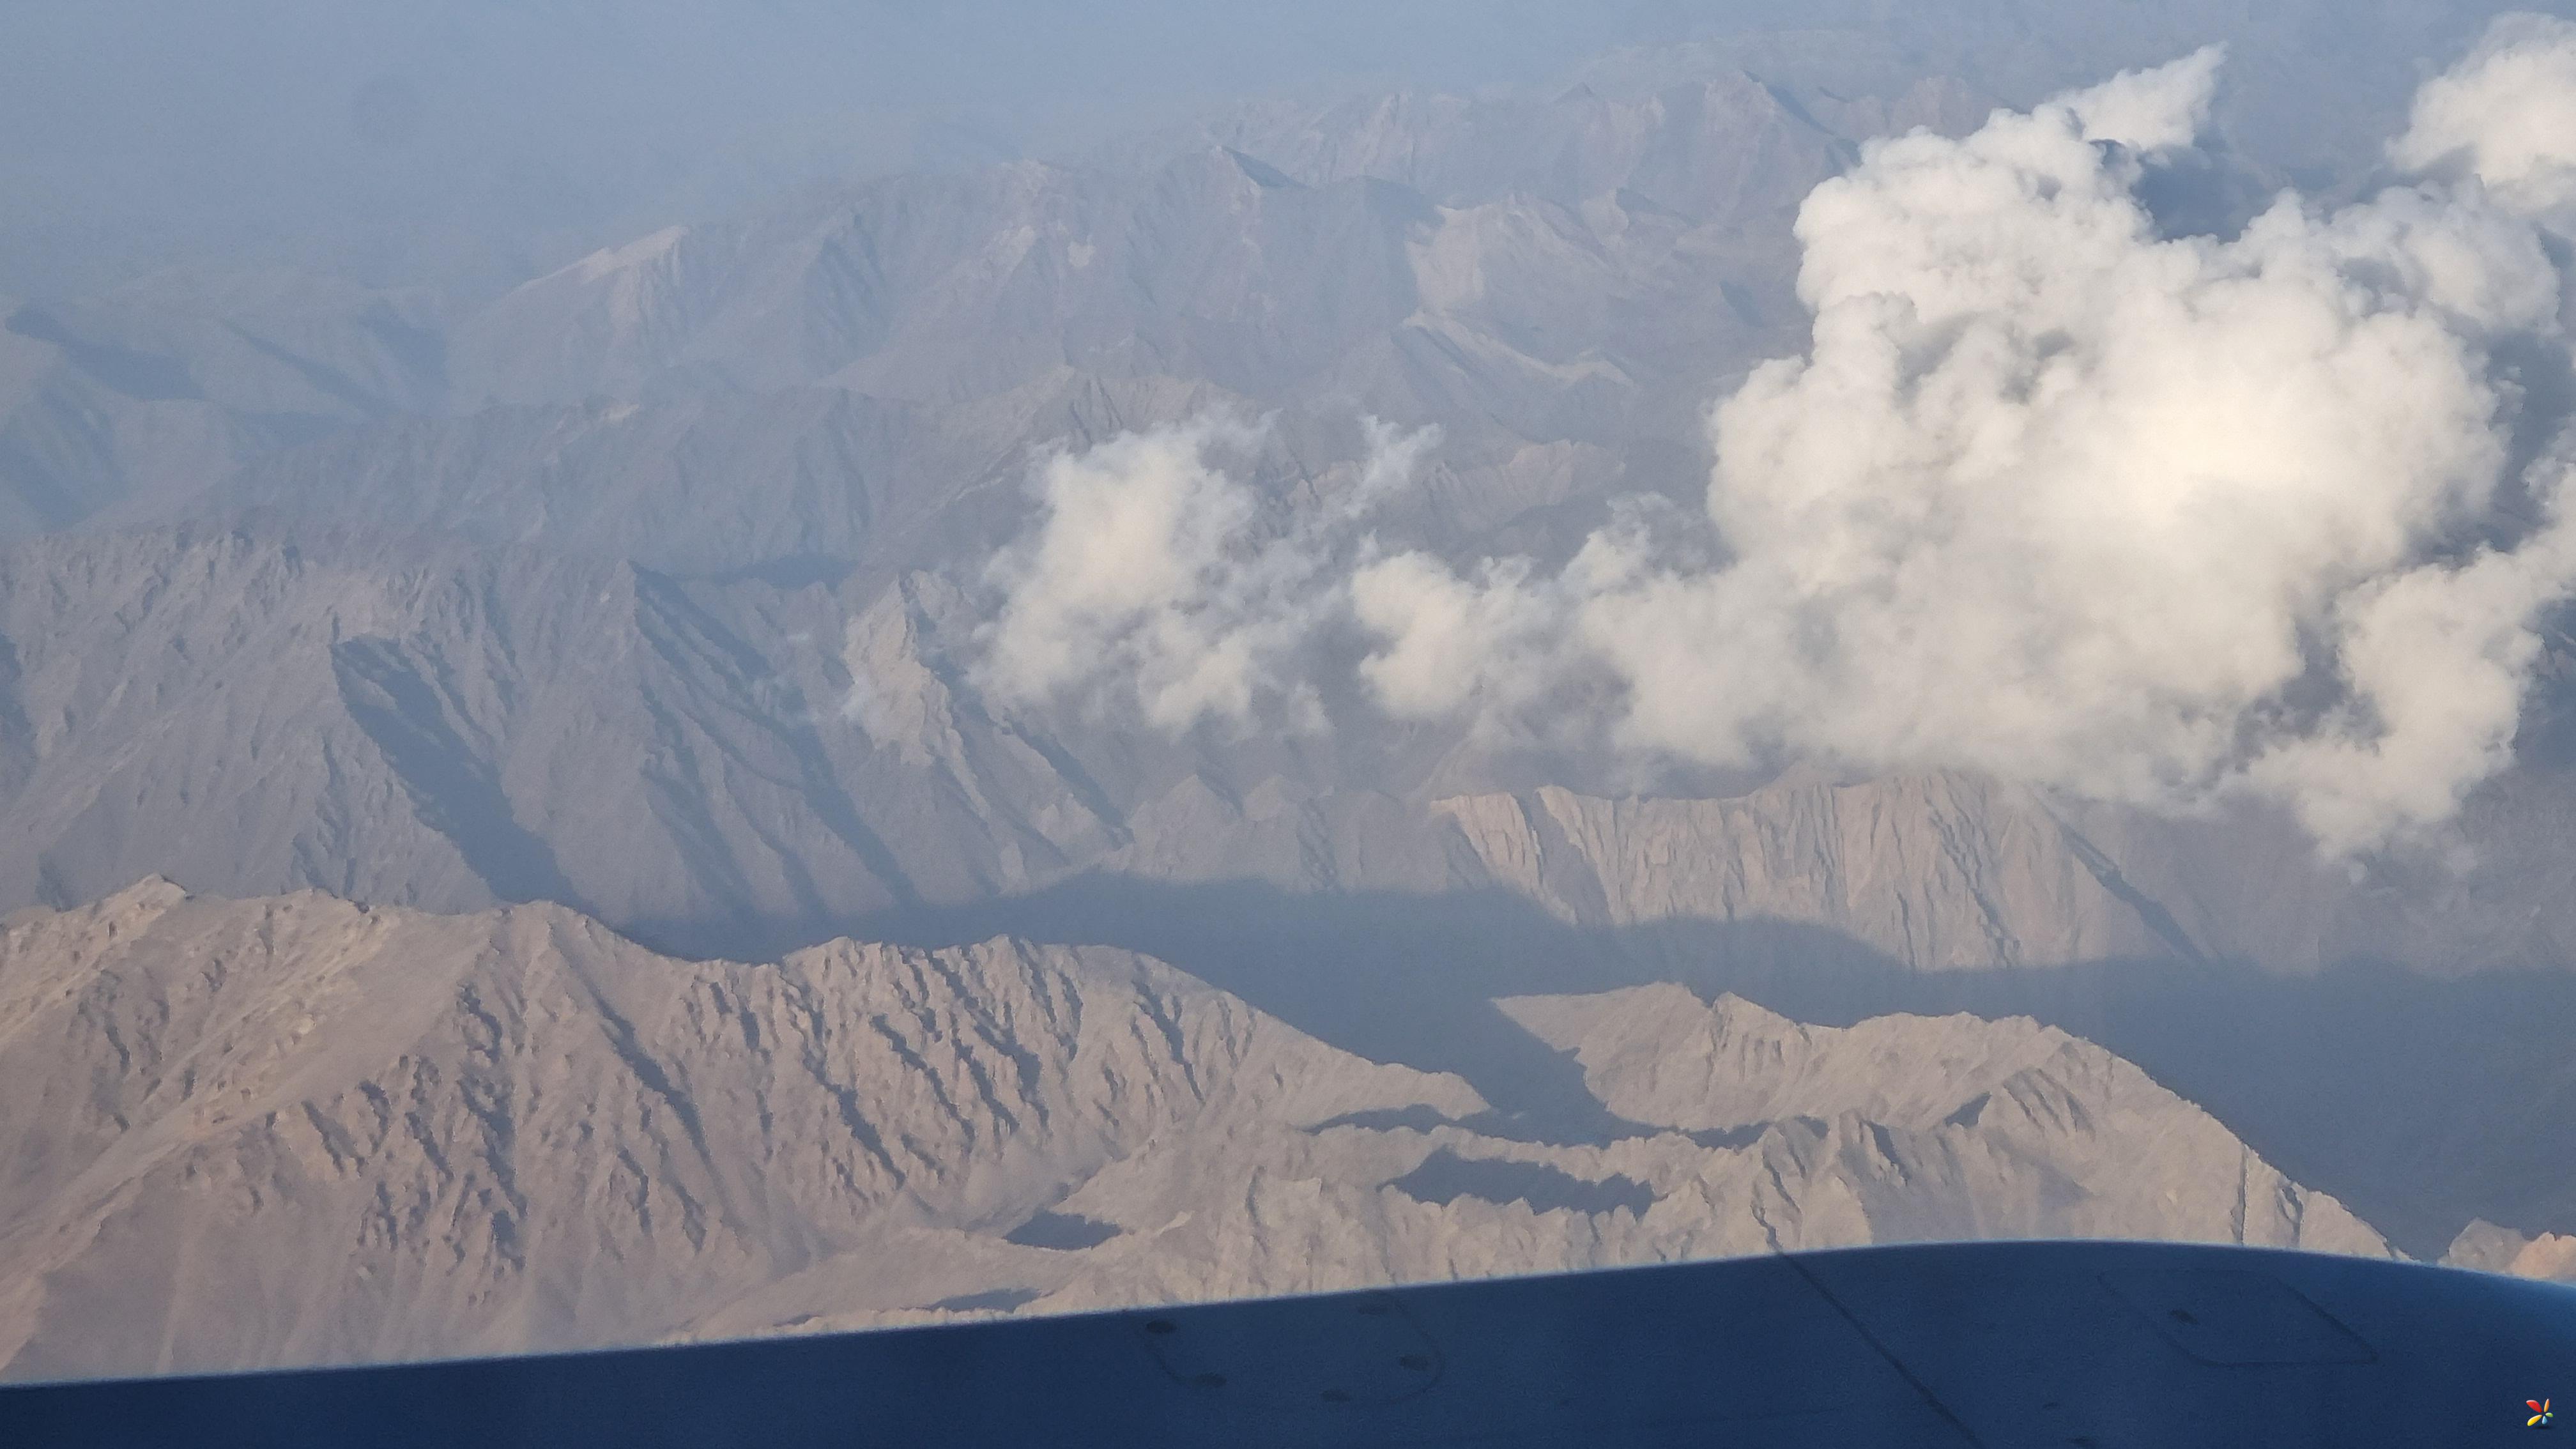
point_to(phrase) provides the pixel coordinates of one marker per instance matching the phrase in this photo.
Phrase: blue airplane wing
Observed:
(2091, 1345)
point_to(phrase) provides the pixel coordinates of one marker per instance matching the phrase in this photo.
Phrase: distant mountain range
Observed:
(619, 914)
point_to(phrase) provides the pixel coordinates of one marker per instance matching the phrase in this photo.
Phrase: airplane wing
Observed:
(2091, 1345)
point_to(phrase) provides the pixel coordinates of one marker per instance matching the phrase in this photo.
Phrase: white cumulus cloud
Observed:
(2053, 496)
(2505, 115)
(1155, 580)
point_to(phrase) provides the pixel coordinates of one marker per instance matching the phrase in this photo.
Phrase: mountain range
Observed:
(298, 1130)
(509, 846)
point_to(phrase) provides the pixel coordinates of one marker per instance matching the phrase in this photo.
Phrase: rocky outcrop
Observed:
(2488, 1248)
(1942, 1124)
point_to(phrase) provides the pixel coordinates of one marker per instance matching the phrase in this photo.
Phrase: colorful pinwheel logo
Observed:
(2539, 1413)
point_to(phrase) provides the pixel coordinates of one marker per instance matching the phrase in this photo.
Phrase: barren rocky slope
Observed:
(428, 725)
(1949, 871)
(2491, 1249)
(298, 1130)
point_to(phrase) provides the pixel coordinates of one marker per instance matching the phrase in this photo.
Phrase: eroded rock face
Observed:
(1939, 1122)
(297, 1130)
(1945, 870)
(1936, 871)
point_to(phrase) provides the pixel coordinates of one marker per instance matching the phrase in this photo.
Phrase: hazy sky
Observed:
(143, 127)
(470, 141)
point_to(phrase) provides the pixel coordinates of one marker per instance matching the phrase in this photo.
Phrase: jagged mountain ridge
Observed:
(823, 480)
(826, 483)
(298, 1130)
(947, 286)
(1516, 312)
(447, 726)
(1596, 137)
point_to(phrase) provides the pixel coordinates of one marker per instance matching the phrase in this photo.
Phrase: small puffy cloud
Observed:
(2506, 114)
(1154, 579)
(2148, 110)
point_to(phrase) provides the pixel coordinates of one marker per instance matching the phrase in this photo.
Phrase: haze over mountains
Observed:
(439, 142)
(1179, 720)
